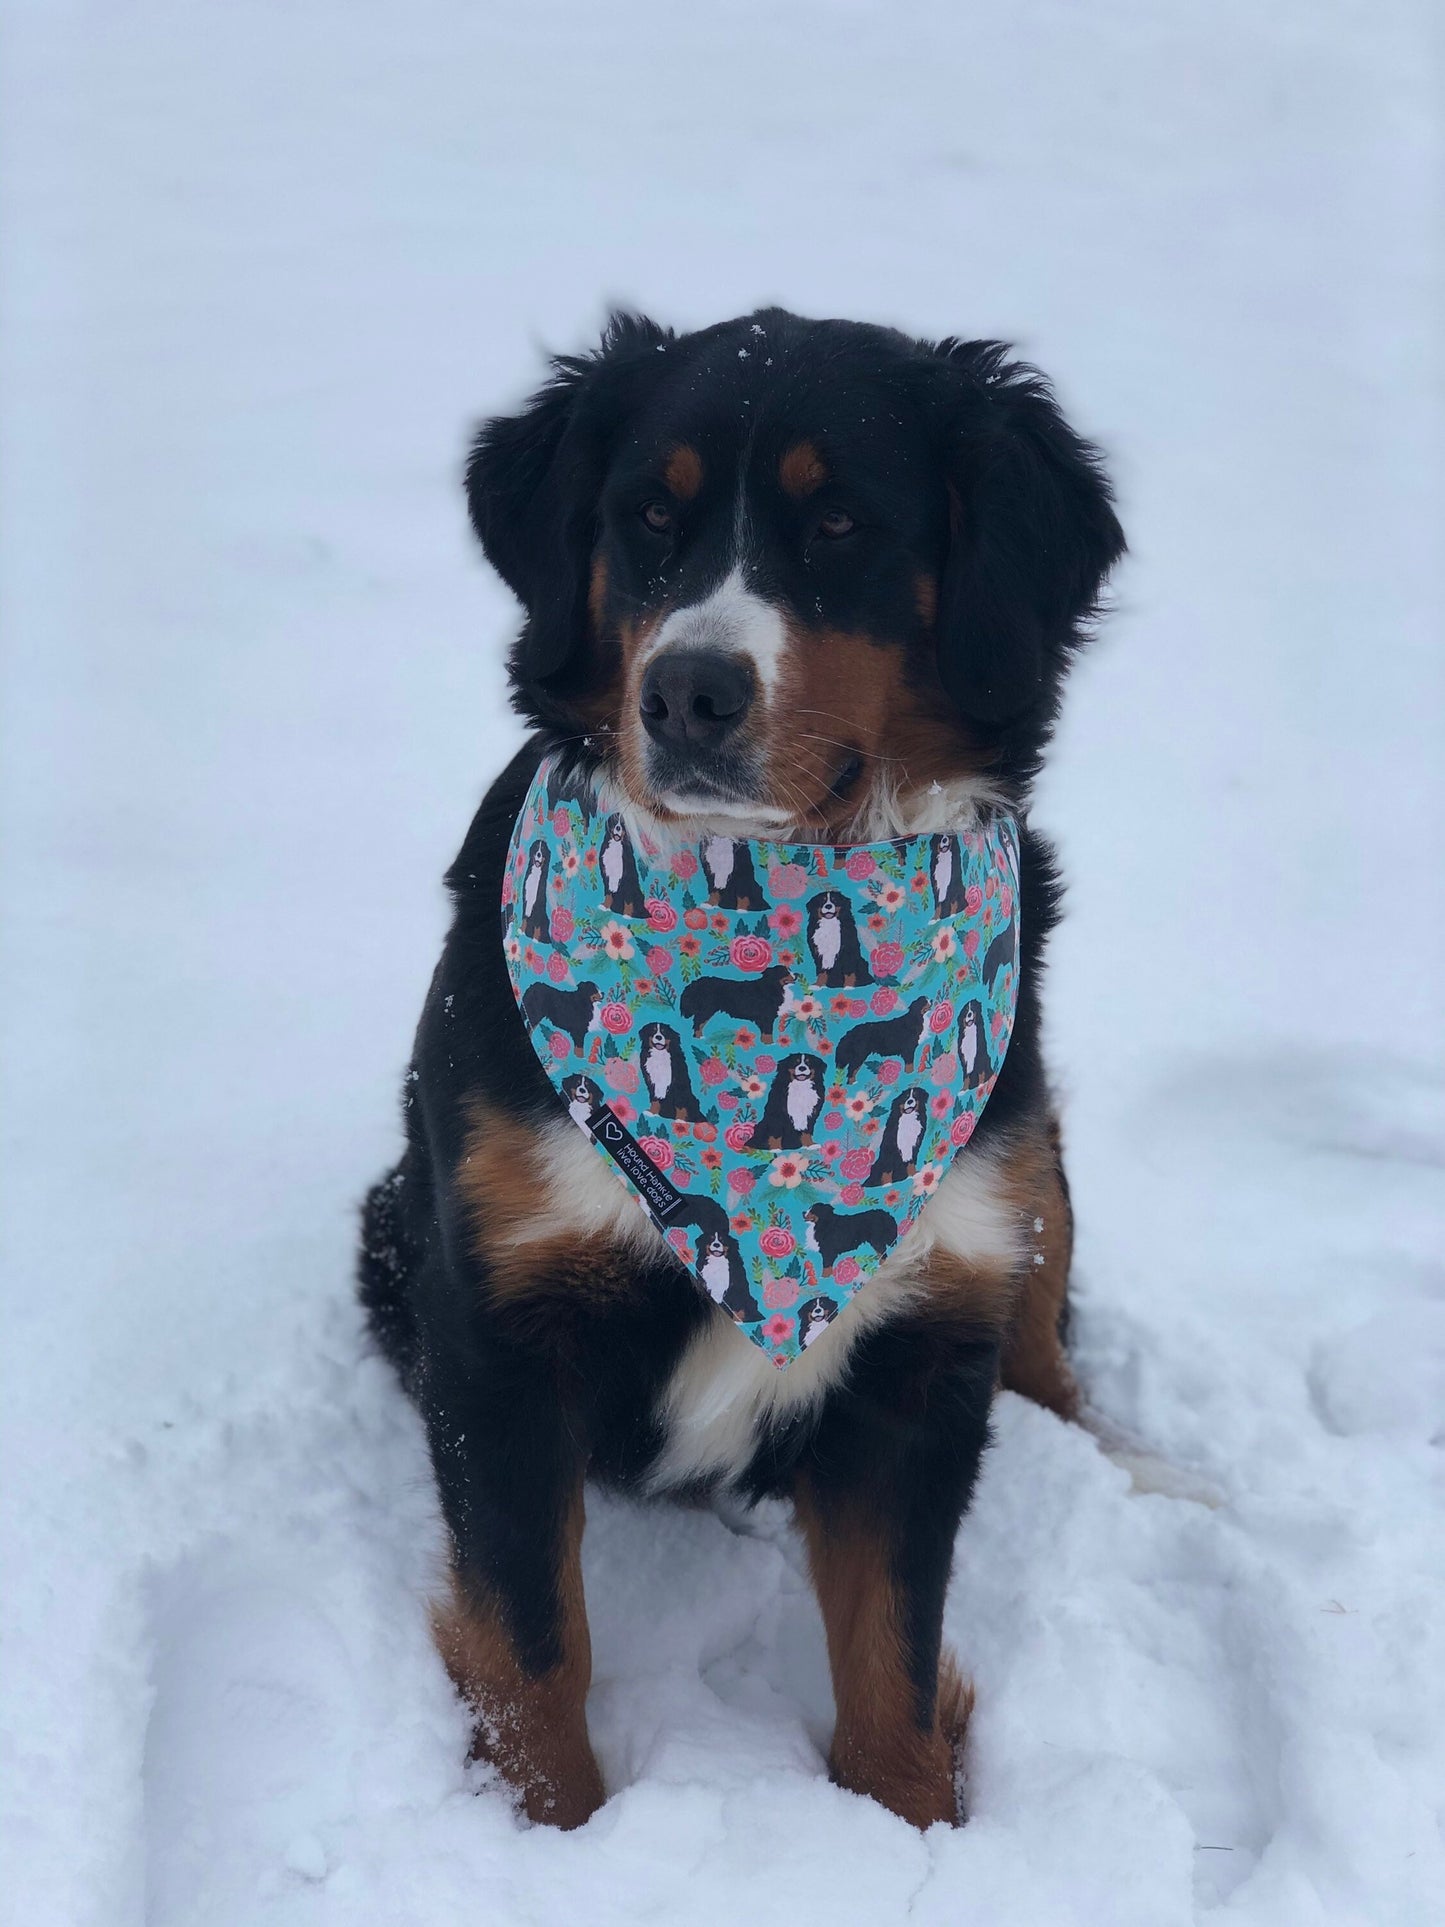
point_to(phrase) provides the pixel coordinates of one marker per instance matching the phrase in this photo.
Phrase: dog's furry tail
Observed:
(384, 1270)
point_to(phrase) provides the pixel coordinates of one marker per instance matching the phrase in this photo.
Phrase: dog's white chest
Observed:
(719, 860)
(802, 1102)
(910, 1130)
(968, 1044)
(658, 1070)
(828, 941)
(715, 1275)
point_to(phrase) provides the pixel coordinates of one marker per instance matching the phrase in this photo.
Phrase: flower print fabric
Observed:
(780, 1048)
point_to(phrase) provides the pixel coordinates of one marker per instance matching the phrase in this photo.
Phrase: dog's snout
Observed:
(695, 697)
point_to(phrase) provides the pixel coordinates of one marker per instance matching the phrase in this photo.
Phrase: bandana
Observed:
(780, 1048)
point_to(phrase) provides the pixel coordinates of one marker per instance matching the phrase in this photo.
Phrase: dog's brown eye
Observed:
(836, 523)
(657, 517)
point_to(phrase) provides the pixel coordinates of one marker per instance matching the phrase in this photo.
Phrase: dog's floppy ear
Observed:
(1032, 534)
(533, 481)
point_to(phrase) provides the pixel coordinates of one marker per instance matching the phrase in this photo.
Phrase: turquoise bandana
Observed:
(780, 1047)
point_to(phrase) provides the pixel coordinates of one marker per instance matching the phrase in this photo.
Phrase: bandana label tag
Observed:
(608, 1130)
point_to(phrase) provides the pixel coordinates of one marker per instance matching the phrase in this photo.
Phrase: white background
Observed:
(263, 265)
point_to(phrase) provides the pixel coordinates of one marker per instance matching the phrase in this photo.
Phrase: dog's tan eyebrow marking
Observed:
(683, 472)
(802, 470)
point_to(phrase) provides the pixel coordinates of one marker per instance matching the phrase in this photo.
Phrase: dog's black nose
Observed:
(695, 696)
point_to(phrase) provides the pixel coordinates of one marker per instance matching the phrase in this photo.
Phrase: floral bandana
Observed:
(780, 1047)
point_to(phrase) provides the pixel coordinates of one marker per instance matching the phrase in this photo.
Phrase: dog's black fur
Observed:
(961, 469)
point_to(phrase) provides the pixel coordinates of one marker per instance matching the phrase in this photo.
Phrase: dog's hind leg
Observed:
(386, 1264)
(1035, 1357)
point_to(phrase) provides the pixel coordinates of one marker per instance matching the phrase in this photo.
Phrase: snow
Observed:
(262, 267)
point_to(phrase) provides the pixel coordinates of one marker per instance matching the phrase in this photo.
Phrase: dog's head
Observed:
(789, 572)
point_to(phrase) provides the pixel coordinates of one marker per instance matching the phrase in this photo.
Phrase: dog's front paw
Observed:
(553, 1774)
(916, 1774)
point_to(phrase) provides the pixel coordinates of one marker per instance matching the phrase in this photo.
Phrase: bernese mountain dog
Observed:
(811, 580)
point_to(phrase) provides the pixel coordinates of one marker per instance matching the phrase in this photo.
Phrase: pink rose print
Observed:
(737, 1136)
(727, 1100)
(887, 959)
(560, 823)
(767, 1065)
(860, 865)
(856, 1164)
(659, 1150)
(944, 1069)
(787, 879)
(962, 1129)
(509, 889)
(851, 1194)
(560, 1046)
(889, 1070)
(941, 1103)
(970, 943)
(659, 962)
(740, 1180)
(622, 1110)
(779, 1293)
(940, 1017)
(680, 1242)
(660, 914)
(714, 1070)
(833, 1121)
(685, 864)
(973, 899)
(557, 967)
(845, 1271)
(620, 1074)
(616, 1018)
(777, 1329)
(785, 920)
(750, 953)
(776, 1242)
(882, 1001)
(561, 926)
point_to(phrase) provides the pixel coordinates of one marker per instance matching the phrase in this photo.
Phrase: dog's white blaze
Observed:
(733, 620)
(724, 1389)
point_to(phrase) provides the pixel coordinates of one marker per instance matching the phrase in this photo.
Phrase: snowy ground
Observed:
(261, 265)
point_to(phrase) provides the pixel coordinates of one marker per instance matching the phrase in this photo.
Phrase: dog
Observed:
(804, 580)
(833, 1233)
(901, 1036)
(571, 1011)
(762, 1000)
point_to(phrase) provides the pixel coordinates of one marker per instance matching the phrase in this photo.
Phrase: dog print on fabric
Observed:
(780, 1048)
